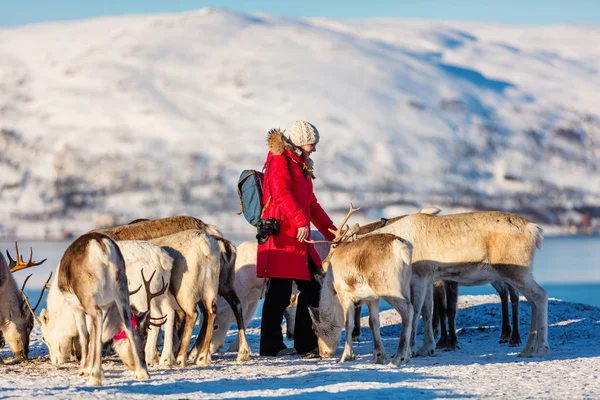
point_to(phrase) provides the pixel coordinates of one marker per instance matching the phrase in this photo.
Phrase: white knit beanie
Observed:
(302, 133)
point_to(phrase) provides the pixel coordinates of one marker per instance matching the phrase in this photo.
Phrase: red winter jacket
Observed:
(289, 198)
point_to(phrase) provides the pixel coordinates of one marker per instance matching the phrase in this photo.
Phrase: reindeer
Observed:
(151, 229)
(363, 230)
(92, 278)
(194, 281)
(474, 248)
(363, 271)
(59, 330)
(16, 322)
(446, 300)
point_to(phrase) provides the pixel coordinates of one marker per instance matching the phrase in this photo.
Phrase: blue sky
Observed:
(522, 12)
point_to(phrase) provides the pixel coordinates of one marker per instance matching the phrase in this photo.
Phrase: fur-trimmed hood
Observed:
(278, 143)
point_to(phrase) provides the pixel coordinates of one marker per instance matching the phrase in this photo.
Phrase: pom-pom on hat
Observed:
(302, 133)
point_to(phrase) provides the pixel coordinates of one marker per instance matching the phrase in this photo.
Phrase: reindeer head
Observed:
(18, 322)
(60, 345)
(140, 322)
(328, 329)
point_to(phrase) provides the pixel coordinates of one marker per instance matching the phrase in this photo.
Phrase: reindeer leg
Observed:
(406, 311)
(95, 351)
(418, 293)
(428, 348)
(249, 312)
(167, 358)
(356, 330)
(502, 290)
(348, 308)
(209, 311)
(378, 349)
(440, 313)
(186, 337)
(232, 298)
(515, 337)
(452, 304)
(522, 279)
(84, 339)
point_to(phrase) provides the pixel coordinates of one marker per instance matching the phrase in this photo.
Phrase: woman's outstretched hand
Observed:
(303, 233)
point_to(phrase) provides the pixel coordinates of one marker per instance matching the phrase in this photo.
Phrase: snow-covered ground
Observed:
(481, 368)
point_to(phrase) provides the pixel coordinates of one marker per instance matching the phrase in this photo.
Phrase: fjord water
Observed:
(567, 267)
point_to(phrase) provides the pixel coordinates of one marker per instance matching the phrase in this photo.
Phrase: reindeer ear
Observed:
(314, 313)
(44, 316)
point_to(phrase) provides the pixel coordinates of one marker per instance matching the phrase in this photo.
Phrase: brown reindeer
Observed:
(363, 271)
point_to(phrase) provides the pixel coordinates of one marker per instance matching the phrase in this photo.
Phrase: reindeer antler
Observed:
(20, 264)
(39, 300)
(341, 232)
(150, 296)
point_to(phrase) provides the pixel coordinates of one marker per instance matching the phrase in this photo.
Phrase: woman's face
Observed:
(308, 149)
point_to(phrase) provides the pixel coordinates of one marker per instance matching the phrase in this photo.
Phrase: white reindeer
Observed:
(363, 271)
(92, 278)
(474, 248)
(16, 322)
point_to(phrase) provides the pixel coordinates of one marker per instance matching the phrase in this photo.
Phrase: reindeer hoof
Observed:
(244, 355)
(141, 374)
(378, 358)
(514, 342)
(346, 358)
(397, 361)
(203, 361)
(94, 381)
(182, 361)
(167, 362)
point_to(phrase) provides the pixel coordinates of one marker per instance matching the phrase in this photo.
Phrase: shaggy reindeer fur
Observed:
(363, 271)
(474, 248)
(92, 277)
(152, 229)
(16, 322)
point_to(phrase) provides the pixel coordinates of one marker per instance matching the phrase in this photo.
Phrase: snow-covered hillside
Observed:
(148, 116)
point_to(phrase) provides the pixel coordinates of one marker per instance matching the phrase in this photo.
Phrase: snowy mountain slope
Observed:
(157, 115)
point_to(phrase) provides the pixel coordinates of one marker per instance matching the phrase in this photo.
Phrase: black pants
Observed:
(277, 299)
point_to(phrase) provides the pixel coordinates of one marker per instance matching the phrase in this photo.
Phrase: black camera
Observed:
(266, 228)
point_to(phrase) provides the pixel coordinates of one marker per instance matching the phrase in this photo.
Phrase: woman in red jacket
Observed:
(286, 257)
